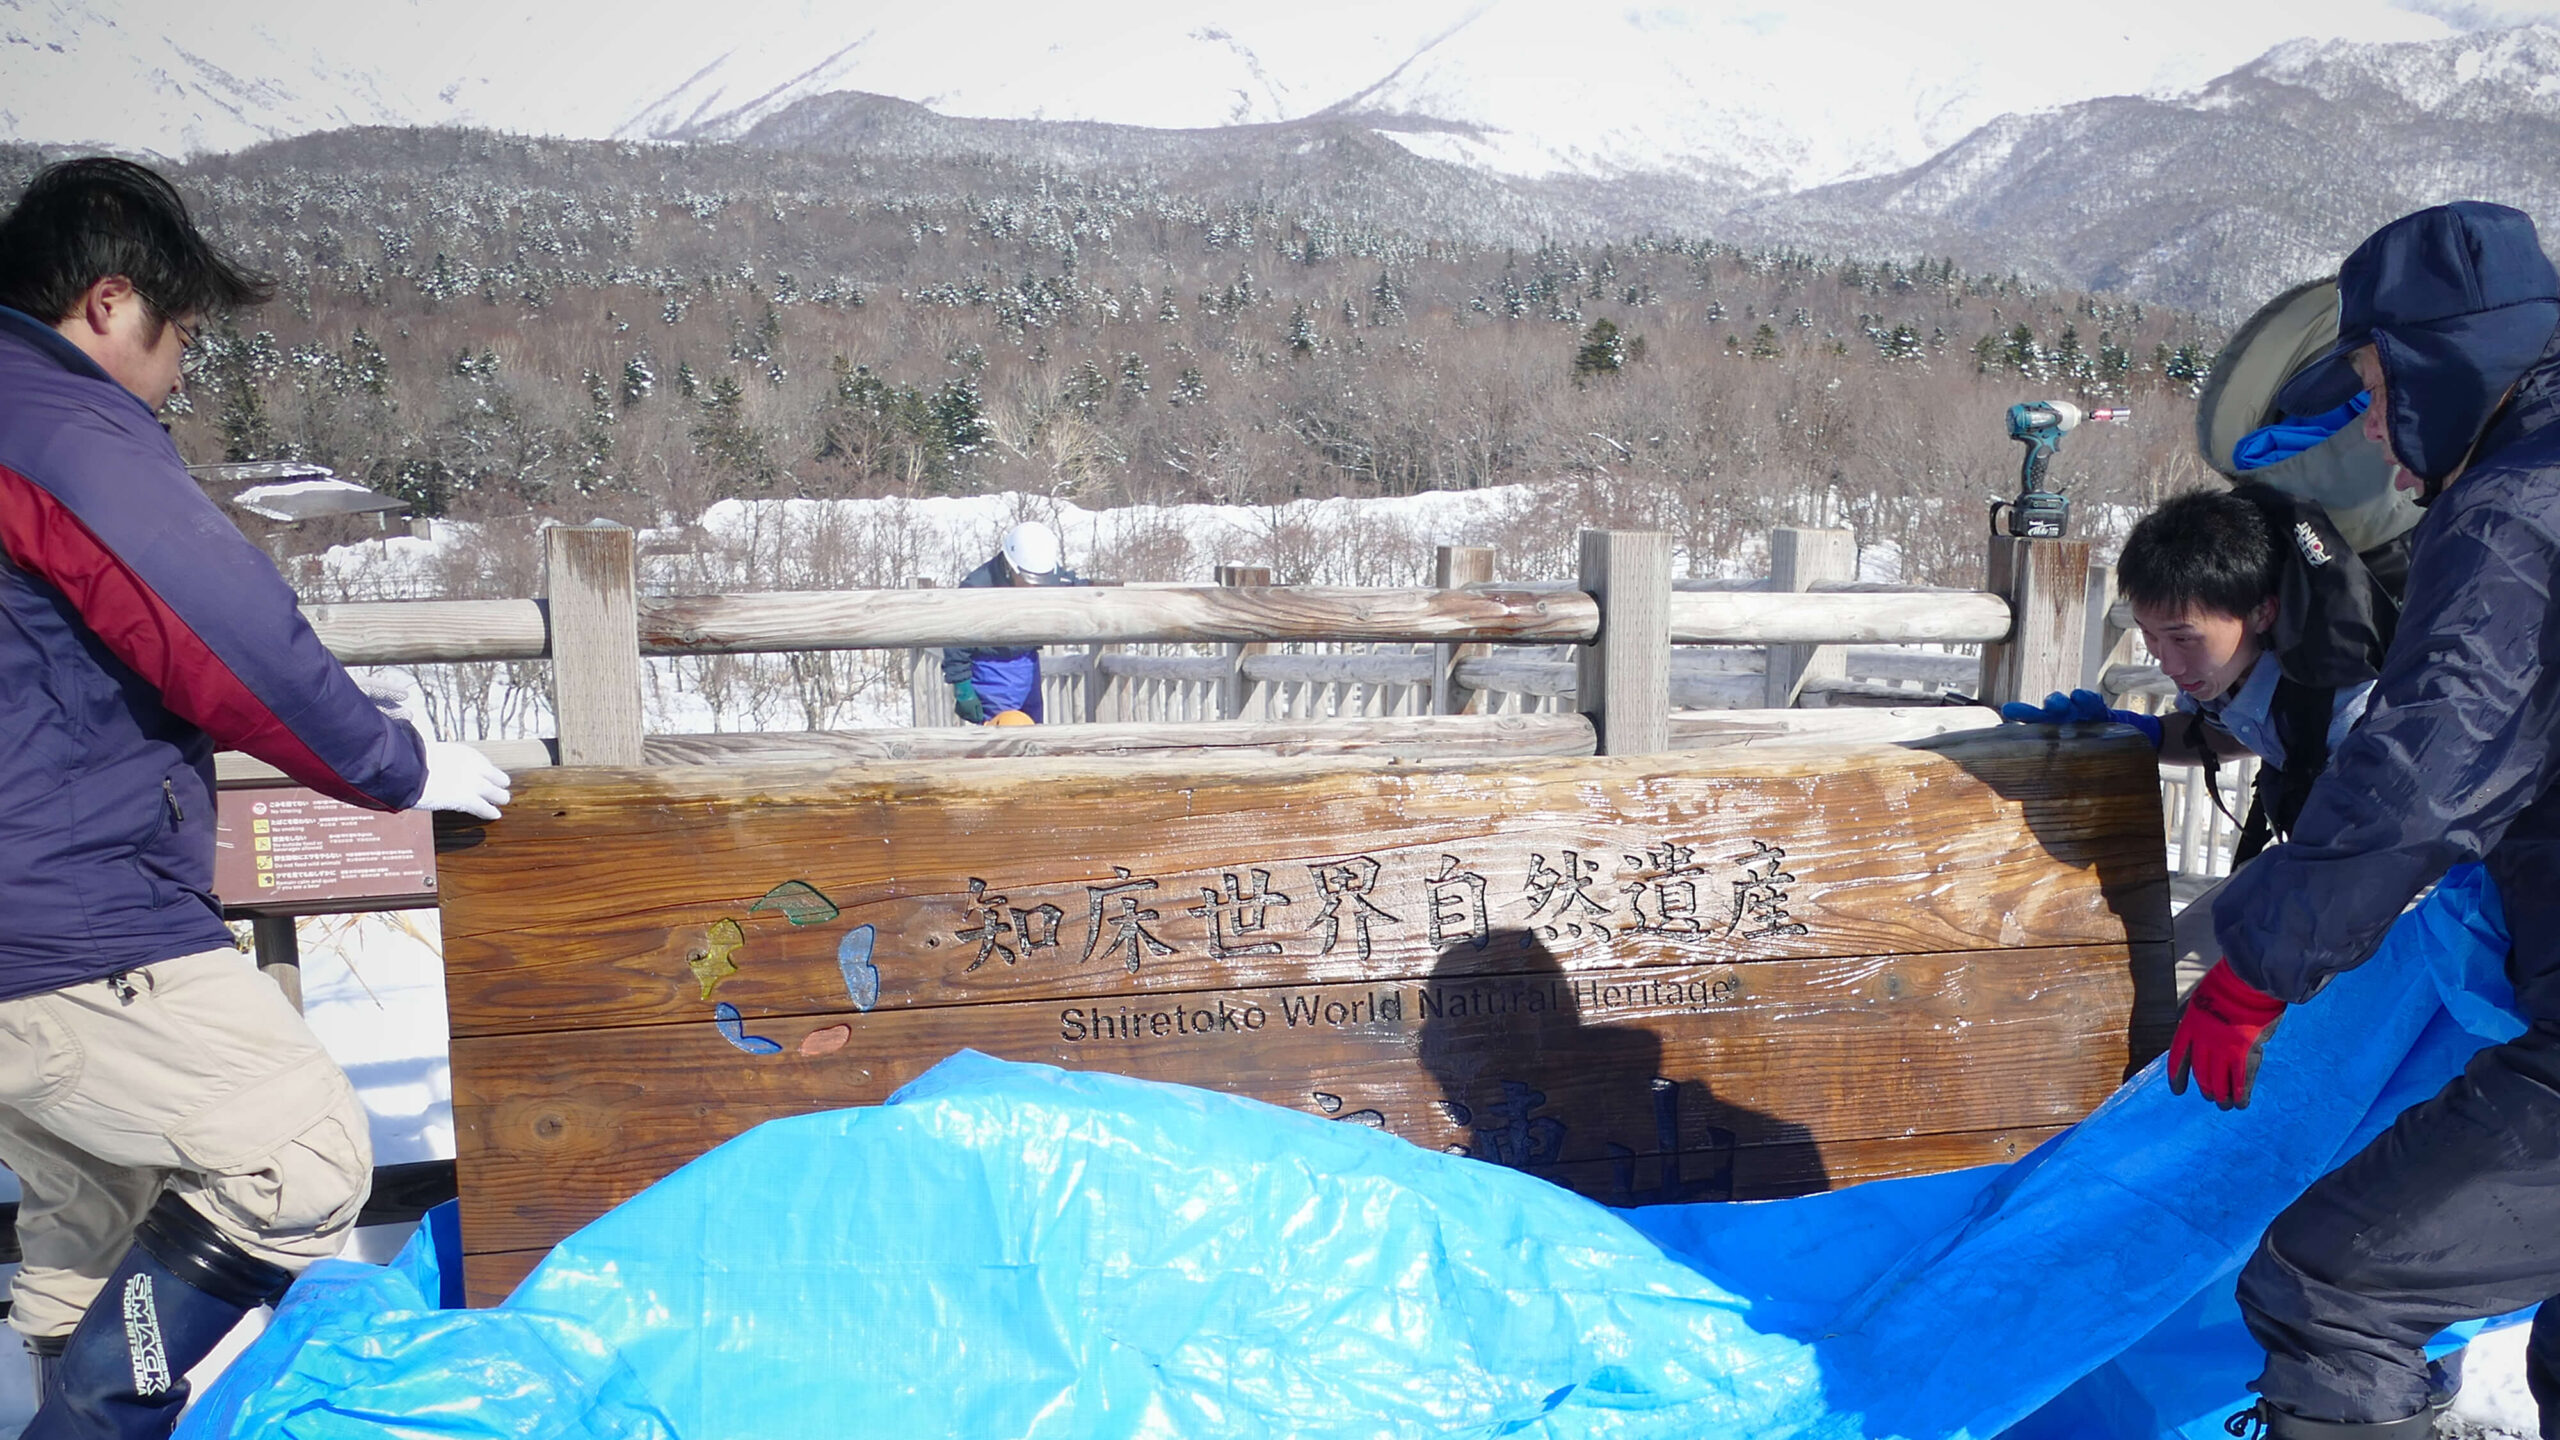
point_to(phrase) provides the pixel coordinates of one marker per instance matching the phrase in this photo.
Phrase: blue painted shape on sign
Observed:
(861, 977)
(733, 1028)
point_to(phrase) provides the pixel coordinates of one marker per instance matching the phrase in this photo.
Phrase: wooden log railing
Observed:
(1868, 615)
(1432, 652)
(426, 632)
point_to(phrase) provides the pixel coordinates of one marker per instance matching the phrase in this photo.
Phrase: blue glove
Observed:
(965, 701)
(2080, 706)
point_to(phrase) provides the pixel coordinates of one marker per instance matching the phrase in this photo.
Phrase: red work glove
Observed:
(2220, 1036)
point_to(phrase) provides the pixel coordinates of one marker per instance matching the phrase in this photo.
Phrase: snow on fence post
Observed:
(1455, 567)
(1623, 678)
(2046, 583)
(596, 680)
(1235, 691)
(1798, 560)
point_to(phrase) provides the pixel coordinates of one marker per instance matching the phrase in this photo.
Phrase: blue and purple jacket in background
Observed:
(1006, 677)
(139, 631)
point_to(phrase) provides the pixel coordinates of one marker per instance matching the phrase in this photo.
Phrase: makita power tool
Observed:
(2040, 513)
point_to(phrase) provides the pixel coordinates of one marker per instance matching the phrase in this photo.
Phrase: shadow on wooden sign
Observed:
(1532, 1084)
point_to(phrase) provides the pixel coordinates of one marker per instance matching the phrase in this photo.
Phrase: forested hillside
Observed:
(495, 326)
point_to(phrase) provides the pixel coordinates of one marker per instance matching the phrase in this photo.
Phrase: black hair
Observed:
(81, 221)
(2205, 549)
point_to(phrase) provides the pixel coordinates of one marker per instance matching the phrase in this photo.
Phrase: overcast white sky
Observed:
(1818, 85)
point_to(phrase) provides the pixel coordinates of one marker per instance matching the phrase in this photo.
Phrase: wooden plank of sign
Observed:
(1774, 1170)
(983, 881)
(1755, 1172)
(1534, 1067)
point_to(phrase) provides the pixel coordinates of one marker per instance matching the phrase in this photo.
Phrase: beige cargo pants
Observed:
(194, 1075)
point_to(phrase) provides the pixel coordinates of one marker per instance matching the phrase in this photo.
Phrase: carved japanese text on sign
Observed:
(1714, 896)
(290, 849)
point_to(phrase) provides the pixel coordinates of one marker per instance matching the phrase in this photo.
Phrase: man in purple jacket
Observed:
(183, 1144)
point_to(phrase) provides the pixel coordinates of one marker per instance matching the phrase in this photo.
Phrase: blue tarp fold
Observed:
(1013, 1250)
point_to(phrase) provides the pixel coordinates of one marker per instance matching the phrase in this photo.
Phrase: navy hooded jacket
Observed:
(2458, 754)
(1006, 677)
(139, 630)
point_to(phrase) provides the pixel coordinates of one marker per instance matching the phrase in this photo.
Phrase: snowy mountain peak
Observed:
(2521, 64)
(1776, 98)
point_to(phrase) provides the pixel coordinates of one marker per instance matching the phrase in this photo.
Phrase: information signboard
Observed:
(290, 851)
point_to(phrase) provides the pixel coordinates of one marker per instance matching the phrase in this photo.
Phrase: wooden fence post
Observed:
(1234, 693)
(924, 673)
(2103, 641)
(2046, 583)
(1455, 567)
(1623, 678)
(1798, 558)
(595, 643)
(1097, 686)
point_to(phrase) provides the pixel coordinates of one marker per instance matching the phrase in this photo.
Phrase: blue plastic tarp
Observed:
(1012, 1250)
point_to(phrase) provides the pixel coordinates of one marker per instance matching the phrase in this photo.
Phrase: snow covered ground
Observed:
(2494, 1405)
(807, 544)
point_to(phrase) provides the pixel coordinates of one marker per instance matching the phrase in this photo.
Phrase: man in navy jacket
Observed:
(989, 680)
(183, 1144)
(2451, 318)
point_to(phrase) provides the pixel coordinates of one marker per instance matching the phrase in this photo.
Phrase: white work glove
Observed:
(461, 778)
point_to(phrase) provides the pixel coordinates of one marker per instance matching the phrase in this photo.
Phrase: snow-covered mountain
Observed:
(1776, 96)
(2218, 199)
(2189, 150)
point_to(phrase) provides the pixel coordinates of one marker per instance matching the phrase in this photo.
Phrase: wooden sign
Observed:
(1724, 974)
(289, 851)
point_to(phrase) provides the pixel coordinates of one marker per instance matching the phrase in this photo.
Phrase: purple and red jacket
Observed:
(139, 631)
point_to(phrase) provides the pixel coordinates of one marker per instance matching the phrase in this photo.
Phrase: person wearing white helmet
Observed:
(989, 681)
(1031, 551)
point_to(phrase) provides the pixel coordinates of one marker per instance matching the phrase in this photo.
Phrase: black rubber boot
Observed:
(2264, 1421)
(181, 1288)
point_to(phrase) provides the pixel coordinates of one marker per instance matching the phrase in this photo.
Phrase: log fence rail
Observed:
(1304, 669)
